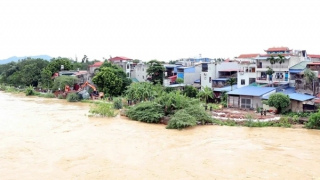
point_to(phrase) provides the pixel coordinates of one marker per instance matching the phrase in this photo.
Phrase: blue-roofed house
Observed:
(248, 97)
(170, 74)
(298, 101)
(189, 74)
(215, 75)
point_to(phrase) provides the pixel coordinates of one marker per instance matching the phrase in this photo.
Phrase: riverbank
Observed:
(44, 138)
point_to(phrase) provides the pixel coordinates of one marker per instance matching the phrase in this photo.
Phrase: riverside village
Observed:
(278, 86)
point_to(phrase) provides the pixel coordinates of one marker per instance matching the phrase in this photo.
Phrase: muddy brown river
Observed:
(52, 139)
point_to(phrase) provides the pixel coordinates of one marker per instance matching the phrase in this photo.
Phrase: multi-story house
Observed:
(215, 75)
(139, 72)
(314, 57)
(125, 63)
(258, 69)
(246, 74)
(94, 66)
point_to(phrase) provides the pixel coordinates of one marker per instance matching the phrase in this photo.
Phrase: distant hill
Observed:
(15, 58)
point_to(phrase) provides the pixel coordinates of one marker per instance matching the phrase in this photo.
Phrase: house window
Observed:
(127, 66)
(128, 74)
(142, 77)
(243, 81)
(245, 103)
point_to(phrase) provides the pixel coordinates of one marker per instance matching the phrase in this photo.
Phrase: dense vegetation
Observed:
(36, 72)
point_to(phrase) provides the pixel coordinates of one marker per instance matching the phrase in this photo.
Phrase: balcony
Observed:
(205, 69)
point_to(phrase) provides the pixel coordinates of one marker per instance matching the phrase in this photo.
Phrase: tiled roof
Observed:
(96, 64)
(251, 91)
(278, 49)
(248, 55)
(119, 58)
(314, 55)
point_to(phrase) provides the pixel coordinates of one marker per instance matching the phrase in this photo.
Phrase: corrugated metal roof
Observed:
(252, 91)
(300, 97)
(301, 65)
(227, 88)
(294, 96)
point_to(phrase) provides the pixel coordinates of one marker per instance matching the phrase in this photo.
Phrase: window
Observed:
(128, 74)
(142, 77)
(252, 80)
(245, 103)
(127, 66)
(243, 81)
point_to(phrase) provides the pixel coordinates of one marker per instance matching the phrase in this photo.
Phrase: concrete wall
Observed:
(296, 106)
(140, 72)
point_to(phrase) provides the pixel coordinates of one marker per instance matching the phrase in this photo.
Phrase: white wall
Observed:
(140, 72)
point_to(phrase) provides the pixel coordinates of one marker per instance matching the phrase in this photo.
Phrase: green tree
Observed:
(272, 60)
(281, 60)
(156, 70)
(190, 91)
(108, 82)
(205, 93)
(269, 72)
(54, 66)
(179, 80)
(279, 101)
(62, 81)
(309, 75)
(119, 73)
(232, 81)
(314, 121)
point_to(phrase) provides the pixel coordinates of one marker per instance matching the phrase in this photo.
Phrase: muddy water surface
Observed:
(53, 139)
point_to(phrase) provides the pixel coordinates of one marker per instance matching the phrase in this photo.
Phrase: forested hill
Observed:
(15, 58)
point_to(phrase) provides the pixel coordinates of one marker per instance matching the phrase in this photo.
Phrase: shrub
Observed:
(3, 87)
(117, 103)
(181, 119)
(73, 97)
(149, 112)
(47, 95)
(199, 113)
(314, 121)
(103, 109)
(60, 96)
(279, 101)
(31, 92)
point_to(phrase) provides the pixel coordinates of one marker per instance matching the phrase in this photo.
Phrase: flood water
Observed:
(53, 139)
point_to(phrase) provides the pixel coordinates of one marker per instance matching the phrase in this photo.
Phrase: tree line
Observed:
(35, 72)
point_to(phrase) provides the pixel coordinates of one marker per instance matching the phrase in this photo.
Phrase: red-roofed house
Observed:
(314, 57)
(248, 56)
(278, 50)
(94, 67)
(125, 63)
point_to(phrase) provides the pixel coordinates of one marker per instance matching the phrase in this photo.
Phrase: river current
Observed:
(52, 139)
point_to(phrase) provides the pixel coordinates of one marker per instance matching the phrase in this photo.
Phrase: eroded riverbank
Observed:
(53, 139)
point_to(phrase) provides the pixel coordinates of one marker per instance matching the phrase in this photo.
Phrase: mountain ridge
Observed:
(15, 58)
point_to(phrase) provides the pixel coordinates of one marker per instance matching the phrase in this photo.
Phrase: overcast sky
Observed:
(156, 29)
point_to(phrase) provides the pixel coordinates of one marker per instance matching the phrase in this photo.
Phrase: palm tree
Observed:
(206, 93)
(232, 81)
(281, 59)
(272, 60)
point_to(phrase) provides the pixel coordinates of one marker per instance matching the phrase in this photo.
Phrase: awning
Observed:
(295, 70)
(197, 81)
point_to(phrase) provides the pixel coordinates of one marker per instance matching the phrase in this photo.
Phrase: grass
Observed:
(103, 110)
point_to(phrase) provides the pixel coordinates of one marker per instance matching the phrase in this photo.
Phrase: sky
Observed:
(156, 29)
